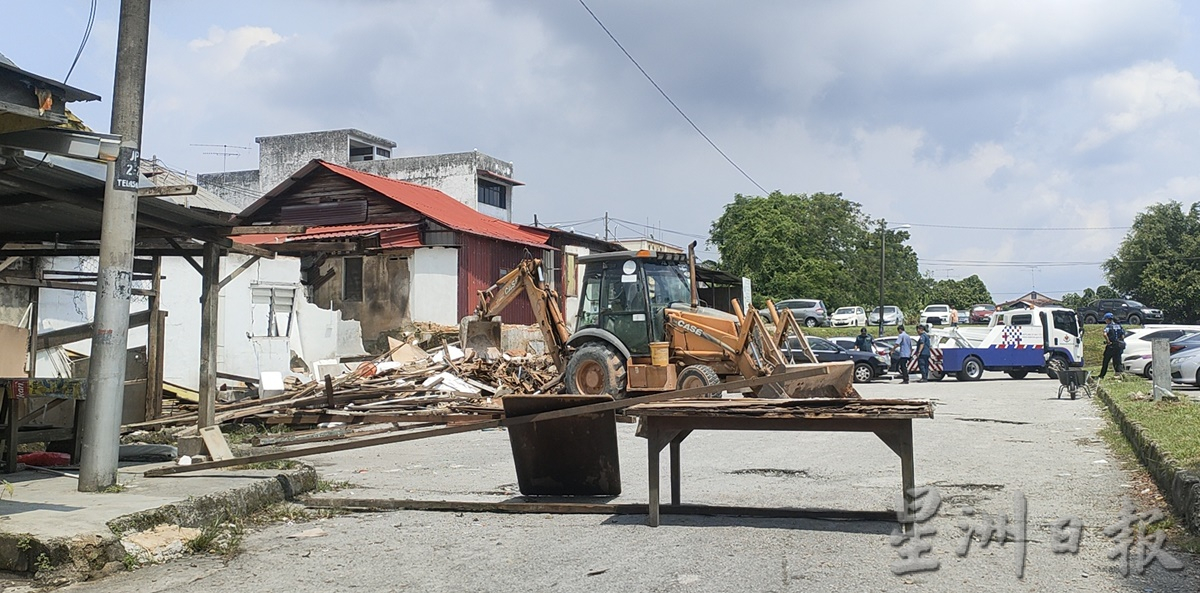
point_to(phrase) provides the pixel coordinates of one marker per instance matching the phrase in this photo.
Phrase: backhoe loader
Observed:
(642, 328)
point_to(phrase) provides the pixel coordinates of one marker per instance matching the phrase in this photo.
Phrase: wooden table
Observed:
(669, 423)
(13, 390)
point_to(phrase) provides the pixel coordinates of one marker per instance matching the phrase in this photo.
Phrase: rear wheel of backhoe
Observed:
(596, 369)
(699, 375)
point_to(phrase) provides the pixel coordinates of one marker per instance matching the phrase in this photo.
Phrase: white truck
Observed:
(1041, 339)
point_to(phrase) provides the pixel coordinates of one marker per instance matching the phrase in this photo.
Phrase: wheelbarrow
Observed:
(1073, 380)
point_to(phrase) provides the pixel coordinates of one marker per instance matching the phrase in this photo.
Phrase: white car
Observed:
(936, 315)
(1137, 357)
(849, 317)
(1186, 369)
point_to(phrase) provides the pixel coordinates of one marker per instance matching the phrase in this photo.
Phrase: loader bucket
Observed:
(836, 382)
(480, 334)
(573, 456)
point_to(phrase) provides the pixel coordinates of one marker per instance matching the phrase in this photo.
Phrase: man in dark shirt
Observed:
(864, 342)
(924, 351)
(1114, 345)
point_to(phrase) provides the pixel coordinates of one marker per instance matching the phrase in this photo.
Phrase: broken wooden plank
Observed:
(587, 508)
(214, 441)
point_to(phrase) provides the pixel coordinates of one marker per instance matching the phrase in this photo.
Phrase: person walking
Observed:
(903, 350)
(924, 351)
(1114, 345)
(864, 342)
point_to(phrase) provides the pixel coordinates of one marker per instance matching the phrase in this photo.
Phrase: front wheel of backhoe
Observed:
(596, 369)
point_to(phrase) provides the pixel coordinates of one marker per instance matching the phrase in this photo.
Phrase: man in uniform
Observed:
(903, 351)
(1114, 345)
(864, 342)
(924, 351)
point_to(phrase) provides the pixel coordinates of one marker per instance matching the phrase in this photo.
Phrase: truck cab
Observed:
(1041, 339)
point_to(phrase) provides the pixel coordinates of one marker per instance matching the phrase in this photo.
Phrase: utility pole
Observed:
(605, 226)
(101, 421)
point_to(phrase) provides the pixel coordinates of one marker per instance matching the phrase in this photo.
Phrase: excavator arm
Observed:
(525, 278)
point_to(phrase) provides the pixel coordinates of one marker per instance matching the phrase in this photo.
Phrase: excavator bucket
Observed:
(480, 334)
(836, 382)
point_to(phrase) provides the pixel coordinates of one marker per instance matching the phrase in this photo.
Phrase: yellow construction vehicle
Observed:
(642, 328)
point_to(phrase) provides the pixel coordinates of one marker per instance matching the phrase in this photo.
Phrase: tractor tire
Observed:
(810, 322)
(1090, 319)
(972, 369)
(863, 373)
(1057, 362)
(1017, 374)
(596, 369)
(1134, 319)
(699, 375)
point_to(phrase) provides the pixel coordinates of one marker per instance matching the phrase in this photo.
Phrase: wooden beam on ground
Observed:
(319, 449)
(467, 427)
(587, 508)
(238, 272)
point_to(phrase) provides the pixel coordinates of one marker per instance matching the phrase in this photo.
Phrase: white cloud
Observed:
(224, 51)
(1138, 95)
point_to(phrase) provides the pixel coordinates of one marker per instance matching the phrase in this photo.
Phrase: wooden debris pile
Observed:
(407, 385)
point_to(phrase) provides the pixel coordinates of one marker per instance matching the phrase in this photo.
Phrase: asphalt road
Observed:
(990, 440)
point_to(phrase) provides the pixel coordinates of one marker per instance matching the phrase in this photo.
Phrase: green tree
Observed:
(1156, 262)
(960, 294)
(818, 246)
(1075, 301)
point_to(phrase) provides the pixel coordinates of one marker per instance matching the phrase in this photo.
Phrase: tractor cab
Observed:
(626, 293)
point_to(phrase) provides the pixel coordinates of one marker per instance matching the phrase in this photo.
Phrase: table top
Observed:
(812, 408)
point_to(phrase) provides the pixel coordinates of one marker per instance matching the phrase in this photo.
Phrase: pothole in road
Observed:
(772, 472)
(991, 420)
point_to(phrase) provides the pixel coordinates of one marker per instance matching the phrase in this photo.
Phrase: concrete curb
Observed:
(78, 558)
(1180, 487)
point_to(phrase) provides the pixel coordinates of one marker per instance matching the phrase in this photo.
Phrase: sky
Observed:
(1019, 139)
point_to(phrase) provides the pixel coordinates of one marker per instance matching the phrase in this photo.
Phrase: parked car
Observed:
(848, 317)
(889, 343)
(1123, 310)
(1186, 369)
(881, 347)
(1185, 346)
(891, 316)
(1137, 356)
(981, 313)
(867, 366)
(936, 315)
(808, 312)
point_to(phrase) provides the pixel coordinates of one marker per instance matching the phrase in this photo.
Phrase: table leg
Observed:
(9, 409)
(900, 440)
(652, 463)
(655, 441)
(675, 472)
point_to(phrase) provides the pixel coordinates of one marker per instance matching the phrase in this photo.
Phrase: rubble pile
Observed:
(405, 388)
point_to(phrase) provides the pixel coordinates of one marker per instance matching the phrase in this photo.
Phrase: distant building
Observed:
(1029, 301)
(482, 182)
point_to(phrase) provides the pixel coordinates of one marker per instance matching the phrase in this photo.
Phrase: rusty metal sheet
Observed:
(576, 455)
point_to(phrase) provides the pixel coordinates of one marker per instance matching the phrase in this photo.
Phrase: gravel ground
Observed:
(990, 440)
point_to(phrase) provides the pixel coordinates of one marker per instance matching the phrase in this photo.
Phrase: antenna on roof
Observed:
(224, 152)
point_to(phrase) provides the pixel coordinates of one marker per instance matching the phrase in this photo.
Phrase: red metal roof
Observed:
(444, 209)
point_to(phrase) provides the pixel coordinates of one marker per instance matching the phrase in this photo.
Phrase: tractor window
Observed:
(589, 300)
(668, 283)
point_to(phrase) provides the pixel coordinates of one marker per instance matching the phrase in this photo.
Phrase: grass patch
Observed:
(332, 485)
(277, 464)
(221, 538)
(113, 489)
(237, 434)
(1172, 425)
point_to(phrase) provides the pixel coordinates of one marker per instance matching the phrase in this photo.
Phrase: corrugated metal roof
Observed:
(443, 208)
(384, 230)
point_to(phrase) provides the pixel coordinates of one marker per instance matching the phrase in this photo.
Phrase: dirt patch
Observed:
(772, 472)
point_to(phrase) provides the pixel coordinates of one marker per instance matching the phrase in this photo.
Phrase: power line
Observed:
(668, 98)
(87, 33)
(1014, 228)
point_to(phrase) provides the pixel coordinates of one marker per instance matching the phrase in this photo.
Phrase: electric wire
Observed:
(1000, 228)
(669, 100)
(87, 34)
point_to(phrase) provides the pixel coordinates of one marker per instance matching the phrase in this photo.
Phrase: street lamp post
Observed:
(883, 228)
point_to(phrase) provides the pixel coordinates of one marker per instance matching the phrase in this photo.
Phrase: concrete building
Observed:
(482, 182)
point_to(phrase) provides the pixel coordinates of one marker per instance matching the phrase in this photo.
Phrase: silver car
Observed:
(891, 316)
(808, 312)
(1186, 368)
